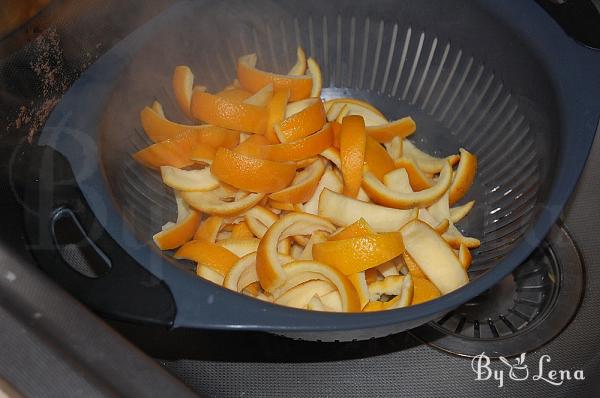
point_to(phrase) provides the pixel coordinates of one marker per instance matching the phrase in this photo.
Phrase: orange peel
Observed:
(395, 148)
(329, 180)
(459, 212)
(333, 155)
(317, 77)
(424, 291)
(157, 107)
(343, 211)
(464, 256)
(380, 193)
(209, 229)
(276, 113)
(250, 173)
(235, 94)
(178, 234)
(274, 204)
(371, 275)
(203, 153)
(229, 114)
(188, 180)
(295, 107)
(312, 269)
(183, 84)
(244, 264)
(387, 269)
(332, 301)
(268, 265)
(175, 152)
(259, 220)
(371, 117)
(209, 254)
(390, 285)
(300, 295)
(434, 256)
(303, 123)
(241, 231)
(412, 266)
(299, 67)
(316, 304)
(418, 180)
(300, 149)
(240, 247)
(426, 162)
(377, 159)
(440, 210)
(158, 128)
(464, 177)
(356, 229)
(354, 255)
(253, 79)
(359, 282)
(316, 237)
(262, 97)
(352, 153)
(220, 202)
(301, 164)
(252, 146)
(303, 185)
(209, 274)
(398, 180)
(351, 101)
(386, 132)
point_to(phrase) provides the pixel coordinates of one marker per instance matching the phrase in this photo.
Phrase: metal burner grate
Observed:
(524, 311)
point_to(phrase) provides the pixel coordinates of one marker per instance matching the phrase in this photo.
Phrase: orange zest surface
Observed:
(424, 291)
(250, 173)
(377, 159)
(235, 94)
(352, 153)
(400, 128)
(359, 228)
(228, 114)
(174, 152)
(354, 255)
(206, 253)
(159, 129)
(179, 234)
(303, 123)
(303, 148)
(303, 185)
(276, 113)
(252, 146)
(209, 229)
(203, 153)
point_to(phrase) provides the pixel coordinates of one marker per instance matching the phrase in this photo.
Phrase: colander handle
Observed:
(580, 19)
(74, 249)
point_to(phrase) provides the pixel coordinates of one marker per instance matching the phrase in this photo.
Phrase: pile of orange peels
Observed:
(320, 205)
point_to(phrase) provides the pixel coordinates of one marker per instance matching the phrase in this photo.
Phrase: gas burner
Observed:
(524, 311)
